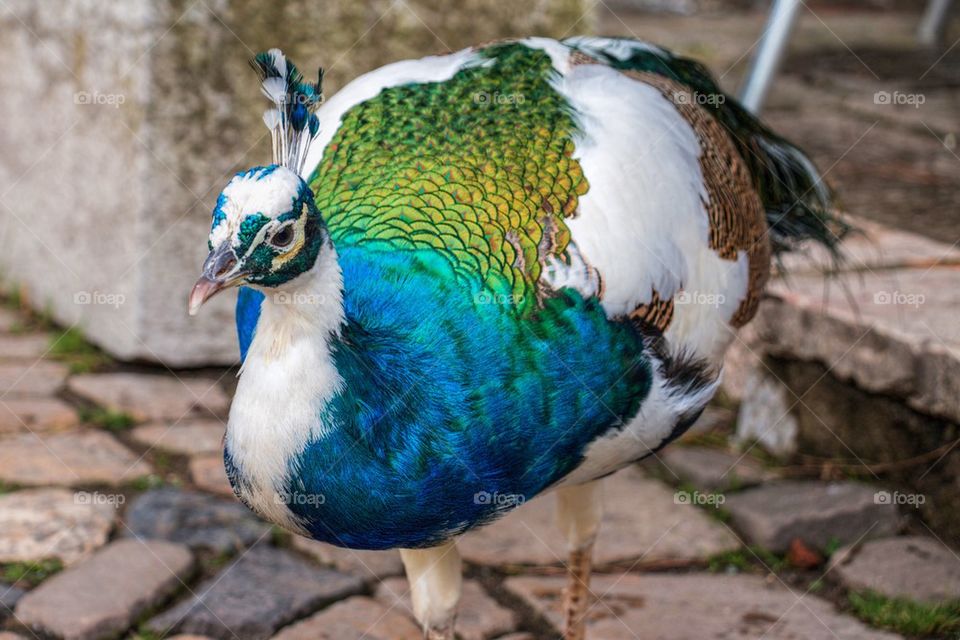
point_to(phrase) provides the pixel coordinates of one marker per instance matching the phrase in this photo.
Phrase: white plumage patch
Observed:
(659, 414)
(287, 378)
(619, 48)
(643, 226)
(270, 191)
(643, 214)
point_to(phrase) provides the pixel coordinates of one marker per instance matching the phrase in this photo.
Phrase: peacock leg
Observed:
(435, 577)
(579, 511)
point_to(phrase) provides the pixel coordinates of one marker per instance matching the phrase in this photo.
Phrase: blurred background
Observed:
(818, 497)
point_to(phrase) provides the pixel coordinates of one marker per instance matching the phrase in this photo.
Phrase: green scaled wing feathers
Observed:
(477, 171)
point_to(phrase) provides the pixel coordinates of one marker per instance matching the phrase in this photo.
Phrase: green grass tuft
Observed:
(107, 419)
(746, 559)
(29, 574)
(147, 482)
(907, 617)
(144, 633)
(72, 348)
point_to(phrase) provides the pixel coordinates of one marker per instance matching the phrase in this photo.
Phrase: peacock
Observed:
(473, 278)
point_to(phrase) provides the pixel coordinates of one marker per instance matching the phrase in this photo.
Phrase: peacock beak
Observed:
(219, 272)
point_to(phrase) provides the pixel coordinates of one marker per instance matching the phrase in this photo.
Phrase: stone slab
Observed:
(369, 565)
(712, 469)
(28, 346)
(356, 618)
(874, 246)
(74, 458)
(478, 617)
(642, 521)
(892, 332)
(36, 414)
(765, 415)
(8, 320)
(696, 607)
(713, 417)
(104, 596)
(36, 524)
(263, 590)
(186, 437)
(195, 519)
(912, 567)
(819, 513)
(41, 378)
(9, 596)
(209, 474)
(150, 396)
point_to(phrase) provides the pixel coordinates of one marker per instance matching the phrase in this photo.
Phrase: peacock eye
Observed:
(282, 237)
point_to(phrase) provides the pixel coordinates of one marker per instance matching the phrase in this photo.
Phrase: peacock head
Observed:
(266, 228)
(266, 231)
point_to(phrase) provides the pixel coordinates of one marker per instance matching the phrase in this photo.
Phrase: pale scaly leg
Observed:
(435, 576)
(579, 511)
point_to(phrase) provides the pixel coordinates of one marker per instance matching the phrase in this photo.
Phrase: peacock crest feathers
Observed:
(291, 120)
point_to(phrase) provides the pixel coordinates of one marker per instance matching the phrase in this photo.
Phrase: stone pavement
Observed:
(142, 545)
(116, 519)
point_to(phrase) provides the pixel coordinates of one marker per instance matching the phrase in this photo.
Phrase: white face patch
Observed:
(270, 191)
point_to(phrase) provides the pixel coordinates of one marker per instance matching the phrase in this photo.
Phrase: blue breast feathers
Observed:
(454, 407)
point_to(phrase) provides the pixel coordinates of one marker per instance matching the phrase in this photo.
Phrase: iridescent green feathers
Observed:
(291, 120)
(476, 171)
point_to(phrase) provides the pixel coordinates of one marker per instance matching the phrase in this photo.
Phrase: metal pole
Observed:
(934, 23)
(773, 43)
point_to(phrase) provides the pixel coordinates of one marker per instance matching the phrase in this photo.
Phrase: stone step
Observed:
(152, 396)
(696, 606)
(371, 566)
(356, 618)
(262, 591)
(197, 520)
(43, 378)
(711, 469)
(18, 415)
(818, 513)
(103, 596)
(185, 437)
(885, 322)
(74, 458)
(36, 524)
(479, 616)
(9, 596)
(644, 521)
(208, 473)
(912, 567)
(28, 347)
